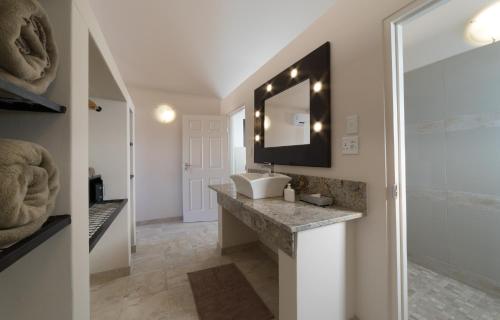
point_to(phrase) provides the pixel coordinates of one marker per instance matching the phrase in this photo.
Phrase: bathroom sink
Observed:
(260, 185)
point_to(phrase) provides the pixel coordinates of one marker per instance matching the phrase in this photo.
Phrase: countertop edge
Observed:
(295, 229)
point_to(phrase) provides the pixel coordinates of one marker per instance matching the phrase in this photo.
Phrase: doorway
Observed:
(443, 128)
(237, 141)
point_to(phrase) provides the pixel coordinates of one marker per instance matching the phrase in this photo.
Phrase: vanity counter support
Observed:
(311, 246)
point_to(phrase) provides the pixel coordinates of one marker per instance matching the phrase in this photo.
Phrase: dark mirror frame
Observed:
(315, 67)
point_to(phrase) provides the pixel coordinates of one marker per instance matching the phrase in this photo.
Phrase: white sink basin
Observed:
(260, 185)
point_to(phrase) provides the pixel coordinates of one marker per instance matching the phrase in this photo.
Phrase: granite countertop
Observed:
(290, 216)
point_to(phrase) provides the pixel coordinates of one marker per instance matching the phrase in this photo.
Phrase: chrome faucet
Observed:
(270, 168)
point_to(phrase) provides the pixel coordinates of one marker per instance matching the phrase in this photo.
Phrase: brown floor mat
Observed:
(223, 293)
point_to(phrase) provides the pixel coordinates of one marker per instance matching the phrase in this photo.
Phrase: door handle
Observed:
(187, 166)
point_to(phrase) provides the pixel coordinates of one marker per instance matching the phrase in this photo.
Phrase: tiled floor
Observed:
(158, 288)
(435, 297)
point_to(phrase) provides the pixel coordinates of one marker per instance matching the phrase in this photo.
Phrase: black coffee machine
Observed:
(96, 190)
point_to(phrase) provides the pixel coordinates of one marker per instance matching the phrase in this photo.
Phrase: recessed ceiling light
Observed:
(294, 73)
(269, 87)
(317, 86)
(484, 28)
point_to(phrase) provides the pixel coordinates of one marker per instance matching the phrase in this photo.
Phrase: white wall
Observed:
(355, 30)
(158, 165)
(109, 156)
(108, 145)
(452, 110)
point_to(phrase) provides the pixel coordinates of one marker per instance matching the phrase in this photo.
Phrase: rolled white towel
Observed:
(28, 52)
(29, 184)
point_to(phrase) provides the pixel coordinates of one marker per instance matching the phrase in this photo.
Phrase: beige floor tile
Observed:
(158, 287)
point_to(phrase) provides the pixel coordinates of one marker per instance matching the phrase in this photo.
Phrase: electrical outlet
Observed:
(352, 124)
(350, 145)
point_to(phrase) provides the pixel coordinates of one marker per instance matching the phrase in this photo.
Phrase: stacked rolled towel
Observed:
(29, 183)
(28, 52)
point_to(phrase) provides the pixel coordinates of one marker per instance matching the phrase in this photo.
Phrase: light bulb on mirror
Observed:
(317, 127)
(318, 86)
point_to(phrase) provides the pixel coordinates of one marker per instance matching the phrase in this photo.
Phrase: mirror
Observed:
(287, 117)
(292, 116)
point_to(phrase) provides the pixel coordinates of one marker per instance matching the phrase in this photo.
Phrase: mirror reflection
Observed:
(287, 117)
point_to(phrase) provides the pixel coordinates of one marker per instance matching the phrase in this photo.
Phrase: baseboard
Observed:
(105, 276)
(269, 252)
(162, 220)
(237, 248)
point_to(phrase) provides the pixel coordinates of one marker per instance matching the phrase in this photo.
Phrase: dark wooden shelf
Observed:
(15, 98)
(94, 239)
(15, 252)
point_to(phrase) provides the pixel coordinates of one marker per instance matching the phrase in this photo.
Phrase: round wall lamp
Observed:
(165, 113)
(484, 28)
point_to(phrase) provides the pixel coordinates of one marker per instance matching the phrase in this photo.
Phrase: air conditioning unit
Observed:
(300, 119)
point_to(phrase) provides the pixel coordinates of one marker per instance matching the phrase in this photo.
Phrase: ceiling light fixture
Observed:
(257, 114)
(257, 137)
(294, 73)
(484, 28)
(269, 87)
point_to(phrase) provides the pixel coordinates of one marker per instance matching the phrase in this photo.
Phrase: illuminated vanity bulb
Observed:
(257, 114)
(317, 86)
(269, 87)
(317, 127)
(165, 114)
(294, 73)
(257, 137)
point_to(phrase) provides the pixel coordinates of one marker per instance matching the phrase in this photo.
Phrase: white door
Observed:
(205, 162)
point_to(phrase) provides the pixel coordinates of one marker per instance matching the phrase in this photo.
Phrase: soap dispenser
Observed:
(289, 193)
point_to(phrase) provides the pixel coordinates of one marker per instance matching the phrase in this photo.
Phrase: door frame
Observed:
(230, 136)
(395, 152)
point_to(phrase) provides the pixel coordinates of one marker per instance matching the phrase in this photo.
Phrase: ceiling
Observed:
(440, 32)
(203, 47)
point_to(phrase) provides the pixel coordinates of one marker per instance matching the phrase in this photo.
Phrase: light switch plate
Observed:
(352, 124)
(350, 145)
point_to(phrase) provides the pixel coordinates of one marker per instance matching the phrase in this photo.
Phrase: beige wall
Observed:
(158, 151)
(355, 30)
